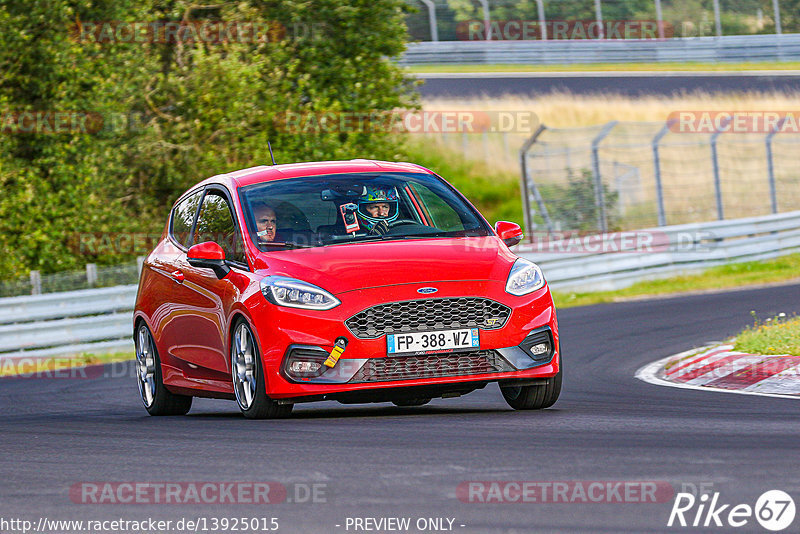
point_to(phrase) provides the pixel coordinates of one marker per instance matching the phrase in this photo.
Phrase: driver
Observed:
(377, 208)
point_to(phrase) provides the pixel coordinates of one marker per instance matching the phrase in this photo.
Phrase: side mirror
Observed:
(209, 255)
(509, 232)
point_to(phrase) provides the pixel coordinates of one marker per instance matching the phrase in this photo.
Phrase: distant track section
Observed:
(663, 83)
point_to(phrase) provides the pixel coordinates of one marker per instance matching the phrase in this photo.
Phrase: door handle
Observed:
(177, 276)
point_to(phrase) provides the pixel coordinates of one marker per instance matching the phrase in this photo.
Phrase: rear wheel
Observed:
(247, 374)
(534, 397)
(156, 398)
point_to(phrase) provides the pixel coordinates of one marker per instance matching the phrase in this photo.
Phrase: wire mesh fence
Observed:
(91, 277)
(457, 20)
(633, 175)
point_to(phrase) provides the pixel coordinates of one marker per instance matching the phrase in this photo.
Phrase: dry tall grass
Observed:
(627, 157)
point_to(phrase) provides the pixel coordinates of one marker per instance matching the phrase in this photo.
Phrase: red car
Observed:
(356, 281)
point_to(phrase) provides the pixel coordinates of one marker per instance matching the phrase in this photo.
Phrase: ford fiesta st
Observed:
(358, 281)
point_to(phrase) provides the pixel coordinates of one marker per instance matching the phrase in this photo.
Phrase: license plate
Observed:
(432, 342)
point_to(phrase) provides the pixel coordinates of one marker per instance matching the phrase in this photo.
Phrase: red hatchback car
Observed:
(356, 281)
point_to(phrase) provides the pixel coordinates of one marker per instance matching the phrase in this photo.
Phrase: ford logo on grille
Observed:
(427, 290)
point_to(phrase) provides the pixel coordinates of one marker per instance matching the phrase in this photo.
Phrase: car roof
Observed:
(266, 173)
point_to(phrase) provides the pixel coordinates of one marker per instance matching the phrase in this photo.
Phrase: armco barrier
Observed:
(734, 48)
(71, 322)
(686, 248)
(99, 320)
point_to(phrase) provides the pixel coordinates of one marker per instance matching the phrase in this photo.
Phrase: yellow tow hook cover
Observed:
(338, 350)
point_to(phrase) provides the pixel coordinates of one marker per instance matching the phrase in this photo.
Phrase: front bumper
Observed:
(365, 366)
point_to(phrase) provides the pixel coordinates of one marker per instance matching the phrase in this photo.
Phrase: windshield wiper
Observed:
(288, 244)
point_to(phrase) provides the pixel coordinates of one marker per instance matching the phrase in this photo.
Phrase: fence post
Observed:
(140, 264)
(717, 19)
(773, 196)
(598, 11)
(36, 283)
(777, 9)
(91, 274)
(486, 19)
(660, 20)
(715, 163)
(527, 180)
(599, 195)
(662, 214)
(432, 19)
(543, 21)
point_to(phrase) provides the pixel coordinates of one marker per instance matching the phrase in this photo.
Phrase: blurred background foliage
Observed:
(174, 113)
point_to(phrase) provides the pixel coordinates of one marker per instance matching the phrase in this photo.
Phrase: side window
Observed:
(215, 223)
(183, 217)
(444, 217)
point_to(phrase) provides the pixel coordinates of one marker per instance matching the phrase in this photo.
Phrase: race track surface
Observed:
(379, 460)
(471, 85)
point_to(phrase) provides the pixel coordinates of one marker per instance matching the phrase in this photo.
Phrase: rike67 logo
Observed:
(774, 510)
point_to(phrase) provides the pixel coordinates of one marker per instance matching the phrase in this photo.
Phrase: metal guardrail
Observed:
(668, 251)
(99, 320)
(70, 322)
(734, 48)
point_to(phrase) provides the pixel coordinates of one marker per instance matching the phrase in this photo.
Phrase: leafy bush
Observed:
(182, 111)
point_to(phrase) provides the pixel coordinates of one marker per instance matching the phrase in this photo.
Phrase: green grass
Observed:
(724, 277)
(778, 335)
(63, 362)
(687, 67)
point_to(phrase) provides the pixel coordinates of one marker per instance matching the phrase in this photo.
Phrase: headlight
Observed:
(294, 293)
(525, 277)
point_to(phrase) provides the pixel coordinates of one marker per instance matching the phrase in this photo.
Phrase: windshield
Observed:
(345, 208)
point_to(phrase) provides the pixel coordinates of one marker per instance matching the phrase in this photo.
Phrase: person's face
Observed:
(378, 209)
(266, 222)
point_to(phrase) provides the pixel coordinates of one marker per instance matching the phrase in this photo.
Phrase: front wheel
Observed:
(247, 374)
(535, 397)
(157, 399)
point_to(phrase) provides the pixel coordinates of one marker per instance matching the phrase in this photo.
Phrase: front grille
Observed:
(433, 366)
(425, 315)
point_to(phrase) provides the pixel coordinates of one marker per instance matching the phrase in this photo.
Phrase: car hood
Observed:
(348, 267)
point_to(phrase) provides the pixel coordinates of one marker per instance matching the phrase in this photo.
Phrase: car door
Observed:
(169, 296)
(202, 338)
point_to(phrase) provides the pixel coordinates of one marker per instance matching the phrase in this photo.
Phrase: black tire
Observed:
(258, 405)
(160, 401)
(406, 403)
(534, 397)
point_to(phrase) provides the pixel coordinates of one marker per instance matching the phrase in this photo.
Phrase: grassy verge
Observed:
(685, 67)
(723, 277)
(779, 335)
(55, 364)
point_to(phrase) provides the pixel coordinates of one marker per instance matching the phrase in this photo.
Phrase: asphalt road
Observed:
(379, 461)
(624, 83)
